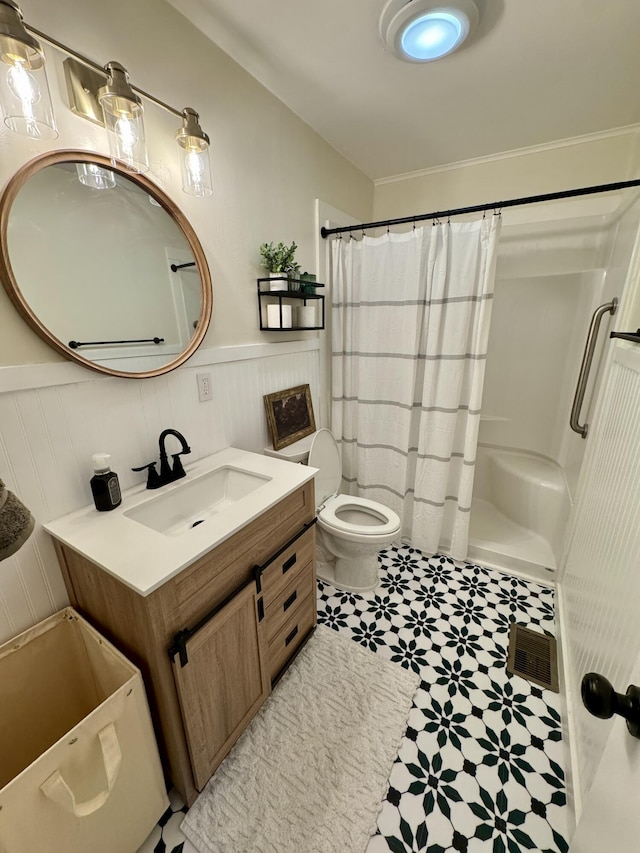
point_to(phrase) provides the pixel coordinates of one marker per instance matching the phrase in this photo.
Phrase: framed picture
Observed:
(289, 415)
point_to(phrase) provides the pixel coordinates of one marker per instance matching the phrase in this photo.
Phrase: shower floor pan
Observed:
(497, 541)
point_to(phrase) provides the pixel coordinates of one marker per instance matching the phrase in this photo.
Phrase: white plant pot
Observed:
(278, 285)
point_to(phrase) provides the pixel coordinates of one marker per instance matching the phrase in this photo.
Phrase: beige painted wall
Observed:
(588, 161)
(268, 166)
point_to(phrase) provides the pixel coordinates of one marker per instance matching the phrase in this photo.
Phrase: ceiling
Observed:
(532, 73)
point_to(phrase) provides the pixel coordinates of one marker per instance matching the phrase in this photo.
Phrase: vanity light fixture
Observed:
(100, 94)
(424, 30)
(123, 119)
(193, 146)
(24, 89)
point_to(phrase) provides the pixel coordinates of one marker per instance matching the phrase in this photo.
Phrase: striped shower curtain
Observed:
(410, 327)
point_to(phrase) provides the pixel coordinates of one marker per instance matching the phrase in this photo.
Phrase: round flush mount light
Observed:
(424, 30)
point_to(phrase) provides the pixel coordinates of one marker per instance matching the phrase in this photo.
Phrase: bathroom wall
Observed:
(585, 161)
(268, 170)
(54, 417)
(268, 166)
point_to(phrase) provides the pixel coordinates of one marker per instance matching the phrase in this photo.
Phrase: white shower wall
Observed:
(538, 332)
(551, 276)
(54, 417)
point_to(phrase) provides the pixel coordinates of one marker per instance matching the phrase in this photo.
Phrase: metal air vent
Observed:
(533, 655)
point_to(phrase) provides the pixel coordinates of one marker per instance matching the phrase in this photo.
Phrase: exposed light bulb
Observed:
(127, 133)
(195, 166)
(24, 86)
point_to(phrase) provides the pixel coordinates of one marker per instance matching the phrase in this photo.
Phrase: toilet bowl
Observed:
(351, 529)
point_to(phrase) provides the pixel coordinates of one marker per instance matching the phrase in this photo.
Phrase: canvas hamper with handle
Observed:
(79, 765)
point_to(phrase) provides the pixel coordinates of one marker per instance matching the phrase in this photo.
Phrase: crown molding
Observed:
(516, 152)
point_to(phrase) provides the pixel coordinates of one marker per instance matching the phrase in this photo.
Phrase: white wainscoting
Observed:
(601, 580)
(54, 417)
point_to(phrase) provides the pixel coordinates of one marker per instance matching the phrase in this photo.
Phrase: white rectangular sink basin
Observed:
(191, 502)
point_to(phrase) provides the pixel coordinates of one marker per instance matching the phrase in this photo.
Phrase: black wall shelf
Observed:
(292, 295)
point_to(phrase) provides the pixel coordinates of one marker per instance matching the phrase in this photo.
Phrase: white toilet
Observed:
(351, 529)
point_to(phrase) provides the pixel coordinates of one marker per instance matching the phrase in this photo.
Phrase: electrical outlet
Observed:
(205, 391)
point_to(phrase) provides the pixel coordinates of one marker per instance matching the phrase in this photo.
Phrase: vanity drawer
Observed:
(289, 600)
(291, 636)
(288, 567)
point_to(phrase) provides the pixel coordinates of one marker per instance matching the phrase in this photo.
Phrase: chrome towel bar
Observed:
(585, 367)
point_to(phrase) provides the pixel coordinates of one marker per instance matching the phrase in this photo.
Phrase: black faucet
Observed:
(168, 473)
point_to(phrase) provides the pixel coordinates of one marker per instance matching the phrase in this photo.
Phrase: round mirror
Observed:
(103, 265)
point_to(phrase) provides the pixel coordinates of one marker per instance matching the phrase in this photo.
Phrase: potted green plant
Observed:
(279, 261)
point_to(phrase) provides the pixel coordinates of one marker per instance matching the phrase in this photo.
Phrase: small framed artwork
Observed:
(289, 415)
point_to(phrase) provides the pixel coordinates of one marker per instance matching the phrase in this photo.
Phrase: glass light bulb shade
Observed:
(26, 102)
(13, 51)
(125, 131)
(91, 175)
(196, 170)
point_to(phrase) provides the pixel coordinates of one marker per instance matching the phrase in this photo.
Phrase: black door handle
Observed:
(601, 700)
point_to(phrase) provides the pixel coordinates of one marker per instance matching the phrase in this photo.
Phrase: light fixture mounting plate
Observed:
(83, 84)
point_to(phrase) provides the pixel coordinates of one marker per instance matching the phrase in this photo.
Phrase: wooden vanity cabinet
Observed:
(243, 632)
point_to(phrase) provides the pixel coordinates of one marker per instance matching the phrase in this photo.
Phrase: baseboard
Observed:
(568, 699)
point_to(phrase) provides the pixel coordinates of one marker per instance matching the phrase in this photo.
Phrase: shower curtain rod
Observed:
(477, 208)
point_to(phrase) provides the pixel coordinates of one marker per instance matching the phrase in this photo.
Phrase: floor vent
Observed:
(533, 656)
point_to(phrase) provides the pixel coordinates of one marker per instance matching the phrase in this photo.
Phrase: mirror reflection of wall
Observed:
(94, 264)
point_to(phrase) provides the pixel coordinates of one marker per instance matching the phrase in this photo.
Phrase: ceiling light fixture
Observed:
(424, 30)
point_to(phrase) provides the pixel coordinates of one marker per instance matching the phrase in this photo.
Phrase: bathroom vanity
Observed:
(212, 610)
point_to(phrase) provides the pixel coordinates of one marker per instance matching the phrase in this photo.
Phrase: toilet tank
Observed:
(298, 451)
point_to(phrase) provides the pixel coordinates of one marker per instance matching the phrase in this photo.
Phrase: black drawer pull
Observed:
(291, 636)
(290, 600)
(288, 563)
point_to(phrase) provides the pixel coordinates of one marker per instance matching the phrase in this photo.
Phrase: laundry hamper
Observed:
(79, 765)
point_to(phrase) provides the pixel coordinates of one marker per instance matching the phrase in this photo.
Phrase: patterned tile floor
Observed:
(480, 766)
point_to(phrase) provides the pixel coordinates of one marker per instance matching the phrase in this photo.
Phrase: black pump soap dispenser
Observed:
(105, 485)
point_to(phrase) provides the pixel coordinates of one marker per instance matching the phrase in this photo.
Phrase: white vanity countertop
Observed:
(143, 558)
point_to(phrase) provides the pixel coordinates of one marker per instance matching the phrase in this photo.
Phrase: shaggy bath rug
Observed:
(310, 772)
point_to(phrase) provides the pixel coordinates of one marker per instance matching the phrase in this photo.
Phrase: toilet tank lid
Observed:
(325, 456)
(296, 452)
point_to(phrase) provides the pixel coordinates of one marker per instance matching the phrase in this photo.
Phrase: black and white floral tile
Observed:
(480, 769)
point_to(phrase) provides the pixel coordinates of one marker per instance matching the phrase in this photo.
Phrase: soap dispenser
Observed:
(105, 485)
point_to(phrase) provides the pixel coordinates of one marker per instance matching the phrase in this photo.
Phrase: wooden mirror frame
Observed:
(18, 299)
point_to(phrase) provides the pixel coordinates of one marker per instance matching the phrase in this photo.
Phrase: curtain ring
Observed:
(350, 235)
(414, 225)
(484, 213)
(363, 233)
(388, 229)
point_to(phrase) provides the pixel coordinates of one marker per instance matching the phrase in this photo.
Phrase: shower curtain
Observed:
(410, 327)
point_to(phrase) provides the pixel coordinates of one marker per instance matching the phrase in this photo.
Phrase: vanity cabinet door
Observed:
(222, 678)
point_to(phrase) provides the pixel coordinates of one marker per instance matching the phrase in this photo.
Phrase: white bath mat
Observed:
(310, 772)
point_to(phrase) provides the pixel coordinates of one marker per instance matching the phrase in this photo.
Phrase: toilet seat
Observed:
(324, 456)
(386, 520)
